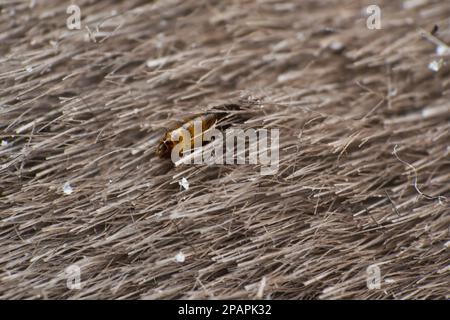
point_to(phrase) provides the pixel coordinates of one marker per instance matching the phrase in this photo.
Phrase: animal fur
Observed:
(364, 168)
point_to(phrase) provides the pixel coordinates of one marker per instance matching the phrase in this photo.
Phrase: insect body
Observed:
(204, 122)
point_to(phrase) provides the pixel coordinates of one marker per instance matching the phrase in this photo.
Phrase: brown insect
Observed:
(167, 143)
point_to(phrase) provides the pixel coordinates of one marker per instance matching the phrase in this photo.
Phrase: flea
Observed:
(167, 143)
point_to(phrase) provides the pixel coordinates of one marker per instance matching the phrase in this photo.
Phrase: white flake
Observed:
(184, 183)
(67, 188)
(442, 50)
(434, 65)
(336, 46)
(180, 257)
(152, 63)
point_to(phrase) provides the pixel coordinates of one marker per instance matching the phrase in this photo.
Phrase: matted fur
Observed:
(364, 150)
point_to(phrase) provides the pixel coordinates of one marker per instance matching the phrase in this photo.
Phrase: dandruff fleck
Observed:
(434, 66)
(336, 46)
(184, 184)
(442, 50)
(67, 188)
(29, 69)
(4, 143)
(180, 257)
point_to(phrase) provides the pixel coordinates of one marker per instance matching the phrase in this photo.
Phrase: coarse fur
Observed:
(364, 150)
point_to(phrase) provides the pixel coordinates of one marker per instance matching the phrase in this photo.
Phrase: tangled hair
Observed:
(364, 171)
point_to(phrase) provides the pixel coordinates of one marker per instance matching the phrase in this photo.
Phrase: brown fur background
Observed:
(364, 150)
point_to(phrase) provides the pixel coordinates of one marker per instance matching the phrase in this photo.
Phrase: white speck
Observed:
(434, 65)
(336, 46)
(67, 188)
(393, 92)
(389, 280)
(184, 183)
(156, 62)
(180, 257)
(447, 244)
(4, 143)
(442, 50)
(29, 69)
